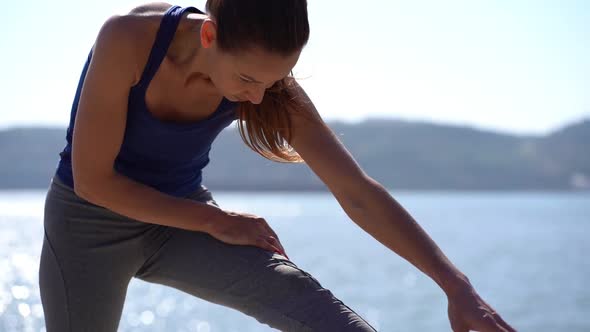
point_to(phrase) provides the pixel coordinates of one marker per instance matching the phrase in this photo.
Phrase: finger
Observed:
(505, 325)
(276, 237)
(273, 248)
(276, 243)
(488, 324)
(491, 316)
(265, 244)
(498, 318)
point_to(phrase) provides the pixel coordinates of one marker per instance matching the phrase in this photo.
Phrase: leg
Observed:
(77, 297)
(259, 283)
(88, 257)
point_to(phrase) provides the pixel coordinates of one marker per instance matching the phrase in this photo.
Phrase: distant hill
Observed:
(398, 154)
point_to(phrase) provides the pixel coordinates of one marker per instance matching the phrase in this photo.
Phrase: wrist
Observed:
(456, 284)
(212, 218)
(452, 281)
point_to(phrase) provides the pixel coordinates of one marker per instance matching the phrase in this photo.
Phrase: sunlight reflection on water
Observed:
(383, 288)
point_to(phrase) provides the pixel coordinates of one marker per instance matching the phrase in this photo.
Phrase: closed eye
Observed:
(243, 79)
(249, 80)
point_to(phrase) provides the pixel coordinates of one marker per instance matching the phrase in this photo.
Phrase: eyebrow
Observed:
(250, 78)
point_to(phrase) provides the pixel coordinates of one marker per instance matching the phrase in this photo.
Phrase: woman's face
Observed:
(246, 76)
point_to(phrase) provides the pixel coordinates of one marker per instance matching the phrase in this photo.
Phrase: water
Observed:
(526, 254)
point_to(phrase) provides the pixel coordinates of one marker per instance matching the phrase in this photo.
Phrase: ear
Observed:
(208, 33)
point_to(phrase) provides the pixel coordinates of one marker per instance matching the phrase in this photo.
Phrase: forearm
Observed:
(380, 215)
(135, 200)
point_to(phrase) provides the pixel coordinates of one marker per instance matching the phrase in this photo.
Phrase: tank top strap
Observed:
(164, 36)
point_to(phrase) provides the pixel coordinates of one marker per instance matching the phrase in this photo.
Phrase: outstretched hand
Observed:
(469, 312)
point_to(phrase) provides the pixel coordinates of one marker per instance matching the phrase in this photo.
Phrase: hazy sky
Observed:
(509, 65)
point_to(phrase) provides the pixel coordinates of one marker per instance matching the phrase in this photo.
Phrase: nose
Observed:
(255, 95)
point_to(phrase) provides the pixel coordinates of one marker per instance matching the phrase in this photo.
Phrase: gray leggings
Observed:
(90, 254)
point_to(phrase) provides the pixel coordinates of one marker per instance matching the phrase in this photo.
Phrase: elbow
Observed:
(359, 193)
(367, 191)
(81, 191)
(89, 187)
(84, 190)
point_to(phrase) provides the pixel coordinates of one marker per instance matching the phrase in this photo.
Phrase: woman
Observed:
(127, 201)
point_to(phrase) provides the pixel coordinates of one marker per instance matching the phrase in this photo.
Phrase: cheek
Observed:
(222, 83)
(224, 79)
(237, 88)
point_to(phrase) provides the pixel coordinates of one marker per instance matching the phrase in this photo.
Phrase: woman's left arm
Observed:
(371, 207)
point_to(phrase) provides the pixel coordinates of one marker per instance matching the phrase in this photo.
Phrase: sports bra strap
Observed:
(164, 36)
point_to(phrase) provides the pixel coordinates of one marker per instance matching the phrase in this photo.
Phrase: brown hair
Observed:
(280, 27)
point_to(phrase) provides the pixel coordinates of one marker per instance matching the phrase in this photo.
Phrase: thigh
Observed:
(79, 295)
(257, 282)
(88, 257)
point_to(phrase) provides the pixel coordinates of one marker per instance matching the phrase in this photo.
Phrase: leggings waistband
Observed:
(56, 181)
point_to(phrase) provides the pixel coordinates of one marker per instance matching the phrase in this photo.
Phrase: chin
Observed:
(231, 98)
(236, 98)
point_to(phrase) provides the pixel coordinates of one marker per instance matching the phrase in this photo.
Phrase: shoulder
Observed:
(139, 24)
(139, 20)
(152, 8)
(128, 37)
(152, 13)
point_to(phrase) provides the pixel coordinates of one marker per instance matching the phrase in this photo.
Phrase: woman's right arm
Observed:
(99, 129)
(98, 133)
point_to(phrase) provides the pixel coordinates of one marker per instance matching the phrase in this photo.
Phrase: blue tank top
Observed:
(167, 156)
